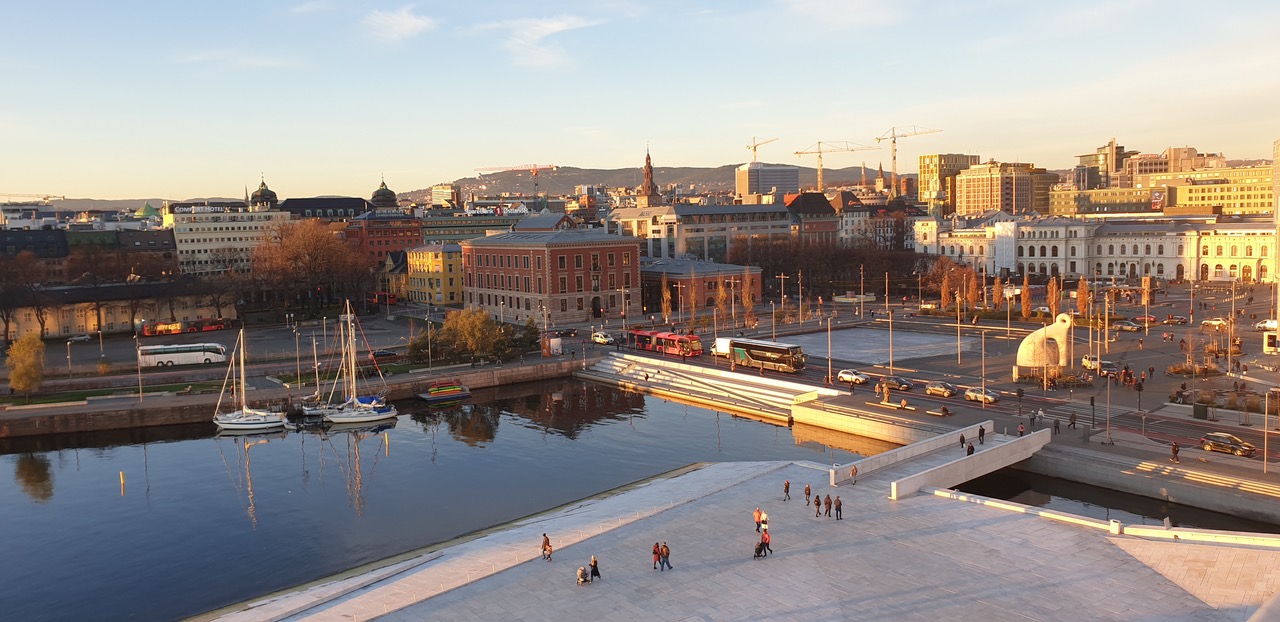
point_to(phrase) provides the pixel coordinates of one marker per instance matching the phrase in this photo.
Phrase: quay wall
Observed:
(174, 409)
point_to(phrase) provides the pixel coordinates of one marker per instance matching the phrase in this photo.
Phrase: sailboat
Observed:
(356, 408)
(243, 417)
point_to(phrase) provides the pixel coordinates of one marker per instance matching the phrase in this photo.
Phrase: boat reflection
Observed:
(243, 478)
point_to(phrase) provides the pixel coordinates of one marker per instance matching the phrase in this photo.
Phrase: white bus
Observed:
(181, 354)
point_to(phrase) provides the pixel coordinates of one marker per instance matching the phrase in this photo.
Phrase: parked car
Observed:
(1147, 320)
(80, 337)
(1041, 310)
(568, 332)
(602, 338)
(381, 355)
(1228, 443)
(1175, 319)
(852, 376)
(1107, 369)
(979, 394)
(1126, 326)
(1089, 361)
(938, 387)
(1265, 325)
(898, 384)
(1215, 322)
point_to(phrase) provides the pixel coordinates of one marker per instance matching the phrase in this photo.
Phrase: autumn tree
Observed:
(722, 300)
(747, 297)
(1082, 296)
(1053, 296)
(472, 330)
(16, 273)
(1026, 297)
(302, 258)
(975, 293)
(666, 299)
(25, 361)
(692, 297)
(997, 294)
(945, 289)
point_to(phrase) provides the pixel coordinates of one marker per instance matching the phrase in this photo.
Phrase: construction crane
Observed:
(756, 144)
(532, 168)
(831, 147)
(892, 136)
(43, 197)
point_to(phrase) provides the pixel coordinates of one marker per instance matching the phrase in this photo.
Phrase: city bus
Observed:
(766, 355)
(664, 342)
(181, 354)
(382, 298)
(151, 328)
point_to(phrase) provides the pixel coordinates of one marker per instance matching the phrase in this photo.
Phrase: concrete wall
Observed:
(929, 444)
(967, 468)
(873, 425)
(1161, 480)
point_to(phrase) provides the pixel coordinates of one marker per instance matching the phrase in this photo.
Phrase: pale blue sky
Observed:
(188, 99)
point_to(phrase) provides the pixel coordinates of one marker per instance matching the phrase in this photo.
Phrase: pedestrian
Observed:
(853, 474)
(1174, 448)
(1071, 422)
(838, 505)
(766, 541)
(595, 570)
(756, 516)
(817, 506)
(582, 575)
(962, 440)
(827, 503)
(786, 490)
(657, 555)
(1021, 429)
(806, 494)
(1057, 426)
(969, 450)
(666, 557)
(764, 521)
(982, 435)
(546, 552)
(1139, 343)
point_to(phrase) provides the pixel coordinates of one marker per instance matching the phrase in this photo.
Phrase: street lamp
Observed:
(138, 348)
(958, 328)
(100, 352)
(502, 308)
(297, 356)
(830, 378)
(68, 359)
(783, 278)
(773, 310)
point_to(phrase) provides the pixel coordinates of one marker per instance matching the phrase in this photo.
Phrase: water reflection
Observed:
(35, 478)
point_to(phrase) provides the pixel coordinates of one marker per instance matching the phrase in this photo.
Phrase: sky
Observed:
(179, 100)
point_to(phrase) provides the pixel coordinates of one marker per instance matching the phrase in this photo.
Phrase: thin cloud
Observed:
(398, 25)
(313, 6)
(526, 38)
(841, 14)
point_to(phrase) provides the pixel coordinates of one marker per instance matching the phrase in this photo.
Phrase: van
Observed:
(721, 347)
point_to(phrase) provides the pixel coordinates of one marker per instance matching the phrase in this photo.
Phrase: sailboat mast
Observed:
(244, 402)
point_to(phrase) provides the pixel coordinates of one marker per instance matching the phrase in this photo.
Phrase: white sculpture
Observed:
(1034, 351)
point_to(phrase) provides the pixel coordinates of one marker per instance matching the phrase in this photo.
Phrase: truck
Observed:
(722, 347)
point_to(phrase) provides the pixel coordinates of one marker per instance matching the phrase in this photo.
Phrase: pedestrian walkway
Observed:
(922, 557)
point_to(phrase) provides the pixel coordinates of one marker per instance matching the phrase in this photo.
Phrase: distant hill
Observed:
(562, 180)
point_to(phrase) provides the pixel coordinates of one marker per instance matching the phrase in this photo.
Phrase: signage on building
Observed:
(1157, 200)
(199, 209)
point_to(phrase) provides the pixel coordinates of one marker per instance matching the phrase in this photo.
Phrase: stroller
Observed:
(759, 549)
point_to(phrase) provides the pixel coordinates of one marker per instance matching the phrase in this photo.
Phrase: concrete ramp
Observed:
(952, 473)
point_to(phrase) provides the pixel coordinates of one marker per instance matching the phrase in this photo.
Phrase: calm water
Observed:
(204, 522)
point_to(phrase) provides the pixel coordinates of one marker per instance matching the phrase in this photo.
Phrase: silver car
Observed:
(978, 394)
(852, 376)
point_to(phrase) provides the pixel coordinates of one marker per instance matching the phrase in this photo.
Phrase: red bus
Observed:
(198, 325)
(382, 298)
(664, 342)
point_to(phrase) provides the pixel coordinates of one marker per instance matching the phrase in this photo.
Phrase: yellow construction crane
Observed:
(43, 197)
(892, 136)
(756, 144)
(831, 147)
(532, 168)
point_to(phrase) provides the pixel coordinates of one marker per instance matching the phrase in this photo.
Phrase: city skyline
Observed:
(326, 98)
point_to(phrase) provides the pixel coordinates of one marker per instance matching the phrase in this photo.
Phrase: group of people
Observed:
(586, 574)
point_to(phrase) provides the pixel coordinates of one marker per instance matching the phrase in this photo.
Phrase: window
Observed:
(561, 262)
(1053, 250)
(626, 259)
(577, 261)
(1160, 250)
(577, 281)
(1148, 249)
(1235, 250)
(564, 284)
(1122, 249)
(1111, 249)
(1248, 251)
(1019, 251)
(611, 263)
(1099, 249)
(1219, 249)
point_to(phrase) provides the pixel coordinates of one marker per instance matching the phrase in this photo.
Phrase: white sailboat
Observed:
(243, 417)
(356, 408)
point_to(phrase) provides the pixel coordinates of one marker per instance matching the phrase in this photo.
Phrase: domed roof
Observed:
(263, 195)
(384, 197)
(146, 211)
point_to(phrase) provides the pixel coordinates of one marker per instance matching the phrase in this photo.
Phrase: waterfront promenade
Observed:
(923, 557)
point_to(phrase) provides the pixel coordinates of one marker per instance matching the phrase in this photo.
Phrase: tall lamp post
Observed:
(830, 378)
(773, 310)
(68, 359)
(957, 328)
(100, 352)
(297, 356)
(138, 348)
(502, 309)
(783, 278)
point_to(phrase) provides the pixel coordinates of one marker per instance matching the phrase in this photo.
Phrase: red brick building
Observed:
(576, 275)
(383, 230)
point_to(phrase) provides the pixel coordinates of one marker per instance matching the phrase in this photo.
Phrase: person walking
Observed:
(982, 435)
(827, 503)
(969, 450)
(961, 440)
(595, 570)
(1021, 429)
(666, 557)
(1174, 448)
(766, 540)
(1057, 426)
(764, 521)
(786, 490)
(839, 513)
(546, 553)
(817, 506)
(657, 555)
(806, 494)
(756, 516)
(1071, 422)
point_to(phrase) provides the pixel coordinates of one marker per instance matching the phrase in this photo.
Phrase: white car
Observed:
(1265, 325)
(1090, 361)
(80, 337)
(852, 375)
(978, 394)
(1044, 310)
(602, 338)
(1215, 321)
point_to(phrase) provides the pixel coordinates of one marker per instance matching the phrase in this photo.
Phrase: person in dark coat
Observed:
(838, 505)
(806, 494)
(657, 555)
(595, 569)
(982, 435)
(827, 503)
(969, 450)
(766, 540)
